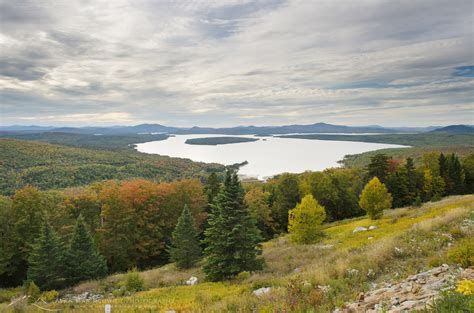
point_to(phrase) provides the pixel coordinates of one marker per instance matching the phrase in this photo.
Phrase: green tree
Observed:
(379, 166)
(456, 175)
(212, 187)
(231, 238)
(286, 197)
(82, 260)
(7, 247)
(375, 198)
(185, 250)
(29, 206)
(468, 167)
(398, 186)
(259, 207)
(46, 260)
(304, 221)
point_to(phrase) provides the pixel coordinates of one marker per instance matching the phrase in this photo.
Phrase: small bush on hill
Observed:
(463, 253)
(133, 281)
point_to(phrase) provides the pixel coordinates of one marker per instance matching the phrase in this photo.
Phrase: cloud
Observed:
(222, 63)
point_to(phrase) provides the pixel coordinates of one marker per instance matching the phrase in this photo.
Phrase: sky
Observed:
(236, 62)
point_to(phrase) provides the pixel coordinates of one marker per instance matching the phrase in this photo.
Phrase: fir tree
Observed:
(82, 260)
(185, 250)
(46, 260)
(378, 167)
(231, 238)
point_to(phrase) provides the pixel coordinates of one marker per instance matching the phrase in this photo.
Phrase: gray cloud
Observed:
(236, 62)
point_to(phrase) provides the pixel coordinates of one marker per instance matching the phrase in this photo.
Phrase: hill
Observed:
(342, 268)
(240, 130)
(455, 129)
(48, 166)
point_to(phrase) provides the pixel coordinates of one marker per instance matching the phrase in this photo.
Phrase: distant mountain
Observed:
(455, 129)
(117, 130)
(28, 128)
(288, 129)
(239, 130)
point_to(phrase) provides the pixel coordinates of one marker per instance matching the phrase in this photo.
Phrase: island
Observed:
(214, 141)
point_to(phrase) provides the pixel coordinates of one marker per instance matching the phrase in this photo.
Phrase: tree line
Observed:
(113, 226)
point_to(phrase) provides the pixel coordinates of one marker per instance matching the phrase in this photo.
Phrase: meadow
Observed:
(303, 278)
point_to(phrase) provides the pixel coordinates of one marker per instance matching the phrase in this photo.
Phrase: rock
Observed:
(192, 281)
(261, 291)
(413, 293)
(370, 237)
(359, 229)
(372, 227)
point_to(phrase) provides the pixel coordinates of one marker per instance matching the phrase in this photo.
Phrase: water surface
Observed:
(266, 157)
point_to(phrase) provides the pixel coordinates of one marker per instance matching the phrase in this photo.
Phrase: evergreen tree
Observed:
(456, 175)
(185, 250)
(375, 198)
(231, 238)
(46, 260)
(378, 167)
(212, 187)
(443, 172)
(82, 260)
(397, 185)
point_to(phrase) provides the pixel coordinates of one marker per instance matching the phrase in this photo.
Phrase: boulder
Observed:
(359, 229)
(261, 291)
(371, 227)
(192, 281)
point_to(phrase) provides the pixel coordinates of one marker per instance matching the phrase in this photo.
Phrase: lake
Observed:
(266, 157)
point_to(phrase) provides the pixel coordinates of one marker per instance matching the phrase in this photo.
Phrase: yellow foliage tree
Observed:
(304, 221)
(375, 198)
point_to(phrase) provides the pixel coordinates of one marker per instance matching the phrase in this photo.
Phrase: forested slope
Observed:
(49, 166)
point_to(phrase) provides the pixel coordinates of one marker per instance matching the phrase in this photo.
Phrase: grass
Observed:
(407, 240)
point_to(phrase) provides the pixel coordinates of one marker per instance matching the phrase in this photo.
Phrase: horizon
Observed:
(227, 63)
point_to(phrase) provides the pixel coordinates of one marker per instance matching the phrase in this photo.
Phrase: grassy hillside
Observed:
(323, 275)
(53, 166)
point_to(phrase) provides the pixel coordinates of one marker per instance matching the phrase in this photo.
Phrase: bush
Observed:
(243, 275)
(7, 294)
(33, 292)
(453, 302)
(133, 281)
(463, 253)
(49, 296)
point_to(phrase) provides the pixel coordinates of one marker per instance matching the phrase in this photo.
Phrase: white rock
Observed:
(192, 281)
(359, 229)
(262, 291)
(372, 227)
(370, 237)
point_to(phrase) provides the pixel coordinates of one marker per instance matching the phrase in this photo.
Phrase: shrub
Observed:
(243, 275)
(49, 296)
(451, 302)
(33, 292)
(463, 253)
(133, 281)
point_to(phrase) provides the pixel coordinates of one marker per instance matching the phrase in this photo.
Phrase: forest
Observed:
(116, 225)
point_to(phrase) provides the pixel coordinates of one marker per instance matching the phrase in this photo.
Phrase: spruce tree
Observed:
(185, 250)
(46, 260)
(82, 260)
(231, 238)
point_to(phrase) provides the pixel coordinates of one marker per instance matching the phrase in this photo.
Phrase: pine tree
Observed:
(82, 260)
(456, 175)
(185, 250)
(46, 260)
(378, 167)
(231, 238)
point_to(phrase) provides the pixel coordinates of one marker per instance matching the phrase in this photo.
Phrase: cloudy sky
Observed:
(236, 62)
